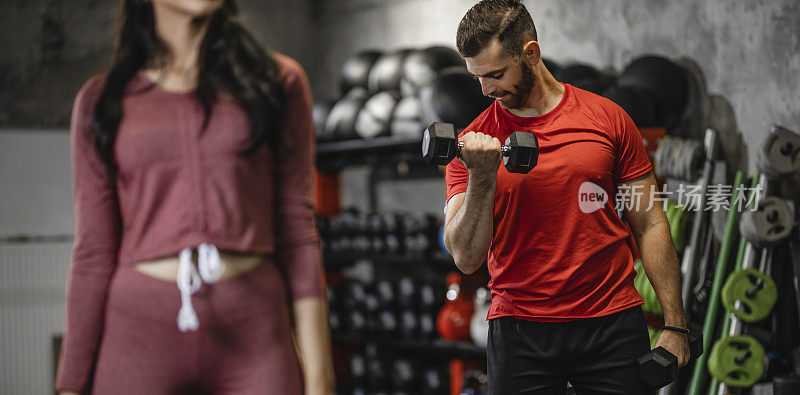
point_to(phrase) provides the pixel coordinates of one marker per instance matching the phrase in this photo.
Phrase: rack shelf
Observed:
(438, 348)
(333, 156)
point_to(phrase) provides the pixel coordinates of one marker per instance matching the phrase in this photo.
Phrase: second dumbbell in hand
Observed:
(478, 151)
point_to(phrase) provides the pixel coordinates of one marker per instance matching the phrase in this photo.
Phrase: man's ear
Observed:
(532, 52)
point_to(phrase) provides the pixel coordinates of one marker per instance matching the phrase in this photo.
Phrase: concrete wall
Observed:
(50, 47)
(747, 51)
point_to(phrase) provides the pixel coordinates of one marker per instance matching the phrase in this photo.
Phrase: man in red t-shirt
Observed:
(563, 302)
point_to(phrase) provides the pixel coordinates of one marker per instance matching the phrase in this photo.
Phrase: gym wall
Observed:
(51, 47)
(748, 51)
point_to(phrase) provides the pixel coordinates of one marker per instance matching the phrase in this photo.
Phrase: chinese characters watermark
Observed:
(717, 197)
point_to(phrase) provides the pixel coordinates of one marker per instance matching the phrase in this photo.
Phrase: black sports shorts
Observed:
(596, 355)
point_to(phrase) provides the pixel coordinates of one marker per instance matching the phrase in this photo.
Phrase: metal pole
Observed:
(713, 304)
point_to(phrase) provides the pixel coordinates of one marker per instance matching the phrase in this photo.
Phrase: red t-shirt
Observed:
(553, 257)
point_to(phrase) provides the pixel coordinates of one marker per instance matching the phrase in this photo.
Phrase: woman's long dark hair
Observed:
(230, 62)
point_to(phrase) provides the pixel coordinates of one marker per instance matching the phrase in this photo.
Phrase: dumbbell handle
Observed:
(504, 149)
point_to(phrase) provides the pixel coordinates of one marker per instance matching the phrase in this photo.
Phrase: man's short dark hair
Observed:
(507, 20)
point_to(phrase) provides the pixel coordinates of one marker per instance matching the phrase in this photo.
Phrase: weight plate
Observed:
(769, 224)
(779, 154)
(737, 361)
(755, 292)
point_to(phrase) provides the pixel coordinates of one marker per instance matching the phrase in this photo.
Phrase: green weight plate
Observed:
(737, 361)
(677, 218)
(645, 289)
(755, 292)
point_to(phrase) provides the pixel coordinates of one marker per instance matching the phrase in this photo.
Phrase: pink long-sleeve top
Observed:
(177, 188)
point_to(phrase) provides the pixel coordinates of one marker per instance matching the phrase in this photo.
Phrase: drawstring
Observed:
(208, 260)
(189, 280)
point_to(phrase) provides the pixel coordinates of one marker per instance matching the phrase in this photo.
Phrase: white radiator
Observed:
(32, 284)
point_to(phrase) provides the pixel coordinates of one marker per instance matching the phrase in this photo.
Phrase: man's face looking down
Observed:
(507, 79)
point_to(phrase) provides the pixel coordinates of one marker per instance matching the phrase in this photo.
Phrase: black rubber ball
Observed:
(355, 70)
(667, 82)
(387, 72)
(457, 98)
(637, 103)
(421, 67)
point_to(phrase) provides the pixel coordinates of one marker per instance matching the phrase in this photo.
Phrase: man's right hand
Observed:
(481, 155)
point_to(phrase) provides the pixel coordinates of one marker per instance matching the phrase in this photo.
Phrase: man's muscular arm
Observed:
(651, 231)
(468, 222)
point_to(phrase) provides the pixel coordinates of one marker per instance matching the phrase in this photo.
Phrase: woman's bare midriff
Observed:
(167, 268)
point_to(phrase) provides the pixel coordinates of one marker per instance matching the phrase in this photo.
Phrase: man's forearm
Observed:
(469, 233)
(661, 265)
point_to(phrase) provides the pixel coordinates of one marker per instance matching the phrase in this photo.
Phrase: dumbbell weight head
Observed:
(416, 244)
(376, 374)
(392, 245)
(404, 375)
(342, 245)
(406, 291)
(334, 321)
(354, 295)
(695, 341)
(360, 223)
(387, 323)
(408, 324)
(375, 223)
(386, 294)
(432, 381)
(361, 245)
(737, 361)
(659, 367)
(769, 224)
(390, 223)
(427, 297)
(426, 325)
(356, 323)
(358, 370)
(523, 152)
(378, 245)
(439, 143)
(414, 223)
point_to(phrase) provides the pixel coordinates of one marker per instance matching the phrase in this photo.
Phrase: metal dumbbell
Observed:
(659, 367)
(440, 144)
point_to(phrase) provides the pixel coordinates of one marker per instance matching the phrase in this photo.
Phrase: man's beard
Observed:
(523, 88)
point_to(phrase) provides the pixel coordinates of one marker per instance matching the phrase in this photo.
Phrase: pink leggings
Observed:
(243, 345)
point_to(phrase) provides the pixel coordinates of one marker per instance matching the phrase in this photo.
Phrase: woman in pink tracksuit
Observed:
(195, 251)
